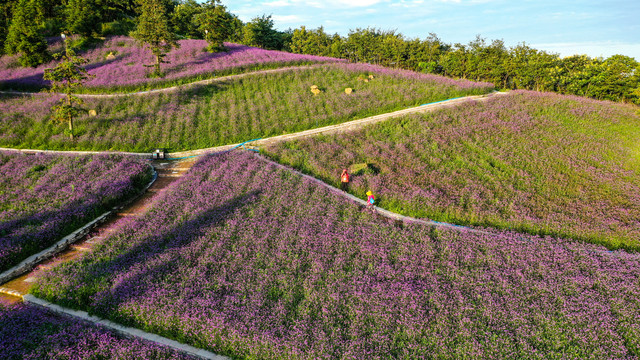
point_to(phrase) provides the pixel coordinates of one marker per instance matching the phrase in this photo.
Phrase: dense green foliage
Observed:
(82, 17)
(216, 23)
(260, 32)
(24, 36)
(154, 31)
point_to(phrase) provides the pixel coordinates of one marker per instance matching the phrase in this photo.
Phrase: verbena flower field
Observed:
(228, 112)
(127, 71)
(45, 197)
(247, 259)
(31, 333)
(539, 163)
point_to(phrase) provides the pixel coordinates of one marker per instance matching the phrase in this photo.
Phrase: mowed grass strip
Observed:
(247, 259)
(532, 162)
(225, 113)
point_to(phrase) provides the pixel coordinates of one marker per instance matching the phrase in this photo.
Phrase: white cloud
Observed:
(277, 3)
(324, 4)
(288, 19)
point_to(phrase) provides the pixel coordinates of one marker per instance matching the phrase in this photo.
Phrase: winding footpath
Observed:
(177, 87)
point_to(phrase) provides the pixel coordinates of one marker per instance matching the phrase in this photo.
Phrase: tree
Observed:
(24, 35)
(184, 19)
(237, 29)
(65, 77)
(313, 42)
(260, 32)
(217, 24)
(153, 30)
(82, 17)
(5, 20)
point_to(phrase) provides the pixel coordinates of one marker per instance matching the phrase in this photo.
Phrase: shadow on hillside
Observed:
(149, 248)
(197, 92)
(33, 233)
(33, 82)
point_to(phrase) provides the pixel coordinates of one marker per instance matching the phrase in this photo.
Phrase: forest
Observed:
(26, 24)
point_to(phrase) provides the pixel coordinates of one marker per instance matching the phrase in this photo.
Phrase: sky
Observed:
(566, 27)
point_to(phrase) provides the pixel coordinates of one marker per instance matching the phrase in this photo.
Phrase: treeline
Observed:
(616, 78)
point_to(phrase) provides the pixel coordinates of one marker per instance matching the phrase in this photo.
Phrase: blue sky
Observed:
(596, 28)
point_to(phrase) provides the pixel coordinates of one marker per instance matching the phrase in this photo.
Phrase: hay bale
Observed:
(93, 113)
(348, 91)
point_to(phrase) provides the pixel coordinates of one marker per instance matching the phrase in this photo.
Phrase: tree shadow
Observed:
(181, 235)
(198, 91)
(35, 232)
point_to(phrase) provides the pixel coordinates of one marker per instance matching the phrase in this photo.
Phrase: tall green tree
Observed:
(24, 36)
(5, 20)
(82, 17)
(217, 25)
(154, 30)
(184, 19)
(260, 32)
(65, 77)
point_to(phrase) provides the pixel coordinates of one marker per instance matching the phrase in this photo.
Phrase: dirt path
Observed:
(168, 173)
(173, 88)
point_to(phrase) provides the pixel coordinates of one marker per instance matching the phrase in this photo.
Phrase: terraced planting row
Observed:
(250, 260)
(43, 197)
(118, 65)
(31, 333)
(228, 112)
(532, 162)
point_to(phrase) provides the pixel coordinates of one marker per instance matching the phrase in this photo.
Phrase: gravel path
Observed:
(174, 88)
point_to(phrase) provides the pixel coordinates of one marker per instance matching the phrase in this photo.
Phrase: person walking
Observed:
(370, 199)
(344, 180)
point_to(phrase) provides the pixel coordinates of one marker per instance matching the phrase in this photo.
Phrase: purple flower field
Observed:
(28, 332)
(535, 162)
(247, 259)
(127, 70)
(45, 197)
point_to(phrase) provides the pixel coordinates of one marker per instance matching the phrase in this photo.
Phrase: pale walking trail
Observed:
(174, 88)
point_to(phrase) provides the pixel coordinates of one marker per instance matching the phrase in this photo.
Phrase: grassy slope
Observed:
(249, 260)
(232, 111)
(539, 163)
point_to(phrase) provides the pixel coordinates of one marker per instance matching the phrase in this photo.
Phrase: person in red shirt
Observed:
(344, 180)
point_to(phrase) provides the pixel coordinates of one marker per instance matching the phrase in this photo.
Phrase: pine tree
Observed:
(154, 30)
(216, 23)
(82, 17)
(65, 77)
(24, 36)
(260, 32)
